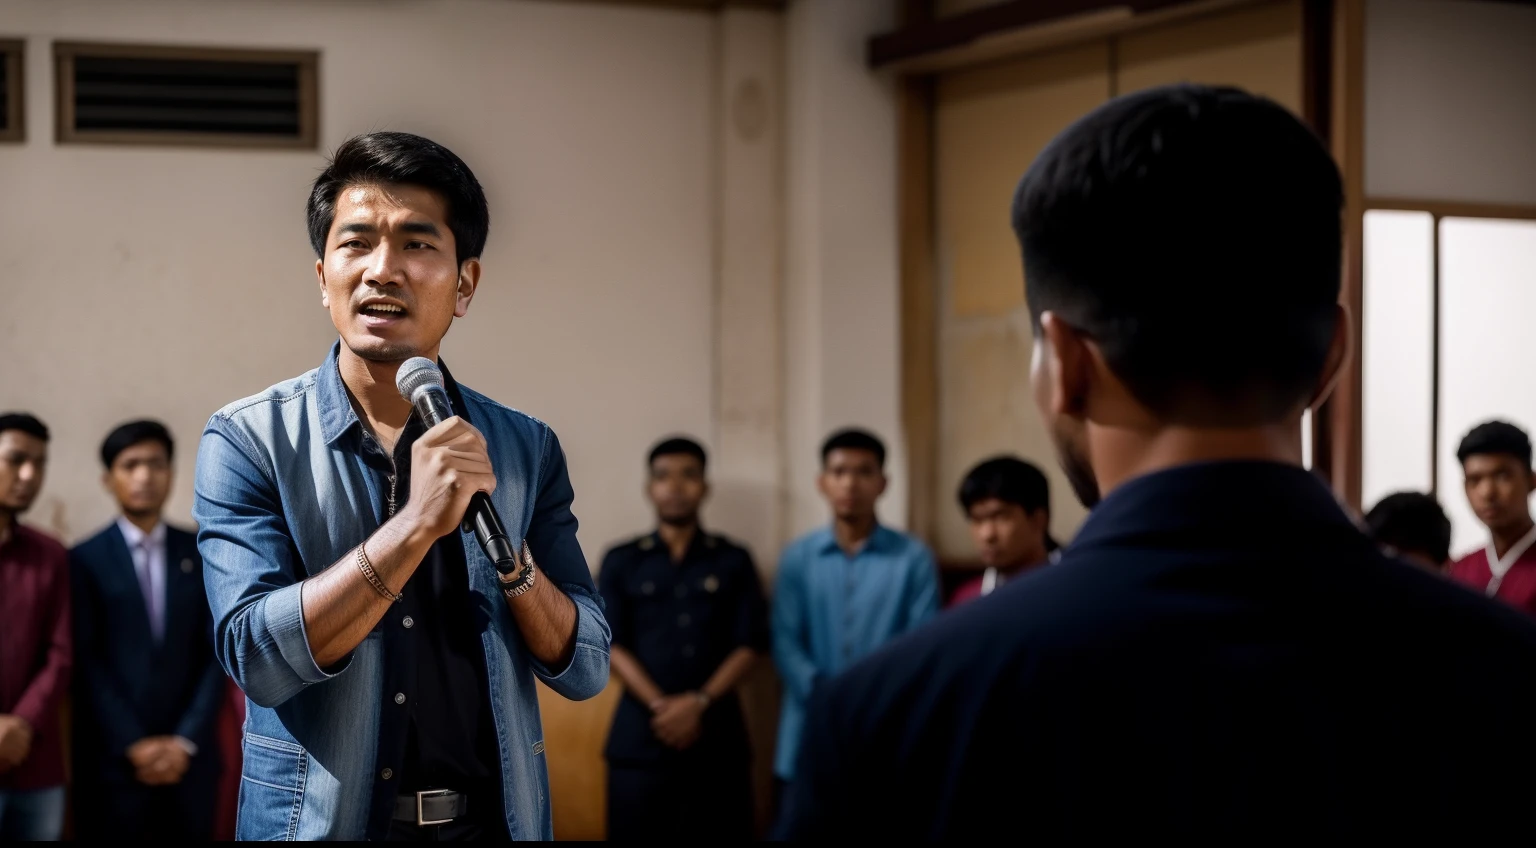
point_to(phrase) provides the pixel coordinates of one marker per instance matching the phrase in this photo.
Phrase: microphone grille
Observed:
(414, 373)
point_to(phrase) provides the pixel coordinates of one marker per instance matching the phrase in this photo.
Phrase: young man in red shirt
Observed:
(1008, 504)
(35, 647)
(1496, 463)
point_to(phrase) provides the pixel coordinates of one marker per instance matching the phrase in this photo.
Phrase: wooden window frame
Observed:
(64, 53)
(15, 52)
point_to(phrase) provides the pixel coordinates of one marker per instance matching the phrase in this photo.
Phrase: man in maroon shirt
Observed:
(1496, 461)
(1008, 504)
(34, 644)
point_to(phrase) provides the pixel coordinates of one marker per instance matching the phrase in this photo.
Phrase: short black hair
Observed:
(1411, 522)
(1008, 479)
(678, 445)
(1495, 437)
(853, 438)
(24, 422)
(1195, 234)
(403, 159)
(125, 436)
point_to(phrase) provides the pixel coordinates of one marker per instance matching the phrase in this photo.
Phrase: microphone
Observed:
(421, 382)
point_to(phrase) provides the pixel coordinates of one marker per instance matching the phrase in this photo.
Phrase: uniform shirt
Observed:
(35, 650)
(1514, 582)
(681, 620)
(831, 609)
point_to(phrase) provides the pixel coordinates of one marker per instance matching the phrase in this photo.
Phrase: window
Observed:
(11, 90)
(126, 94)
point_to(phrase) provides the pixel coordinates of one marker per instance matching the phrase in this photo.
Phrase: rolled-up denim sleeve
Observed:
(251, 571)
(552, 541)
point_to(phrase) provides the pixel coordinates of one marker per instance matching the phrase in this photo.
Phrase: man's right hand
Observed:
(15, 741)
(449, 463)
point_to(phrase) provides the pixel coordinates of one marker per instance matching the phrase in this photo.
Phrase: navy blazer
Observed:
(1220, 653)
(127, 687)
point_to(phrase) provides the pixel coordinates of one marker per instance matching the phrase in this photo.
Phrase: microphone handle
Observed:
(481, 517)
(432, 405)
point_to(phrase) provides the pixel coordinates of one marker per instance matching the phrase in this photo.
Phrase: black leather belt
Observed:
(434, 806)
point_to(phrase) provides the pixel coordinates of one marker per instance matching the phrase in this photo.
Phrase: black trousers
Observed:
(698, 800)
(117, 812)
(461, 830)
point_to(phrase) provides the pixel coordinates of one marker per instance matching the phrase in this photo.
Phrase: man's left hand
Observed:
(676, 720)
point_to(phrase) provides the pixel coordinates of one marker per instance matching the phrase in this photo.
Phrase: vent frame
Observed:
(307, 63)
(13, 57)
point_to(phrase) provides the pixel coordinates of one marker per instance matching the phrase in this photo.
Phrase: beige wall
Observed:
(990, 123)
(842, 287)
(167, 282)
(1450, 113)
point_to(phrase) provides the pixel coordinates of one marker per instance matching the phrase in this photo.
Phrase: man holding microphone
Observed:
(389, 665)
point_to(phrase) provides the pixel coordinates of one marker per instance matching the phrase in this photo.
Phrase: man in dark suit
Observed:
(147, 685)
(1220, 653)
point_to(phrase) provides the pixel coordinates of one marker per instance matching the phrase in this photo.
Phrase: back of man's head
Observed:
(1194, 235)
(1413, 525)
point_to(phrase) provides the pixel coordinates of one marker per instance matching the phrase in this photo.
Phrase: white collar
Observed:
(1500, 567)
(135, 537)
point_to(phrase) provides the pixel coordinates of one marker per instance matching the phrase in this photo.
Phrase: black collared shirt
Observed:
(436, 728)
(681, 620)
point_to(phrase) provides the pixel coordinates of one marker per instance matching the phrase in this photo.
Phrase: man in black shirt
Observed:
(1221, 655)
(689, 621)
(443, 737)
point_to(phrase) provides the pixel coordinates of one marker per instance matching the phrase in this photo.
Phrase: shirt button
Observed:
(688, 650)
(387, 774)
(681, 591)
(682, 620)
(408, 622)
(399, 697)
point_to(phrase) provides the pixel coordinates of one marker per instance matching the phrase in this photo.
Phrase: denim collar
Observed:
(338, 418)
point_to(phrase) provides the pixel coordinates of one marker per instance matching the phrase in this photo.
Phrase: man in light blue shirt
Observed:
(844, 590)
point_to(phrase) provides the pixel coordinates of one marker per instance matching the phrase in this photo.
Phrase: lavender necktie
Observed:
(147, 586)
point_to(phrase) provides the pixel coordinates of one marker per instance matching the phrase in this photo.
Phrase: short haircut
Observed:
(853, 438)
(1496, 437)
(1195, 235)
(678, 445)
(1411, 522)
(403, 159)
(127, 435)
(24, 422)
(1008, 479)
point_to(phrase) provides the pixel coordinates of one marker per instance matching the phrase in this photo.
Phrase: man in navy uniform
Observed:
(1221, 655)
(688, 623)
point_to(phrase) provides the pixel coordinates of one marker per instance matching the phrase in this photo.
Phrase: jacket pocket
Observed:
(271, 789)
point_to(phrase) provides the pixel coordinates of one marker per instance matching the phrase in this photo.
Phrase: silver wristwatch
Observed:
(525, 578)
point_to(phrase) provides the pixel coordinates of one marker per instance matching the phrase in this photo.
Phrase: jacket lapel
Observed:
(181, 581)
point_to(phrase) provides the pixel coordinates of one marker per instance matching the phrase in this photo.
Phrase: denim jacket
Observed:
(282, 492)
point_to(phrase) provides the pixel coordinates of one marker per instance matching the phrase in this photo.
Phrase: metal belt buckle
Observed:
(421, 819)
